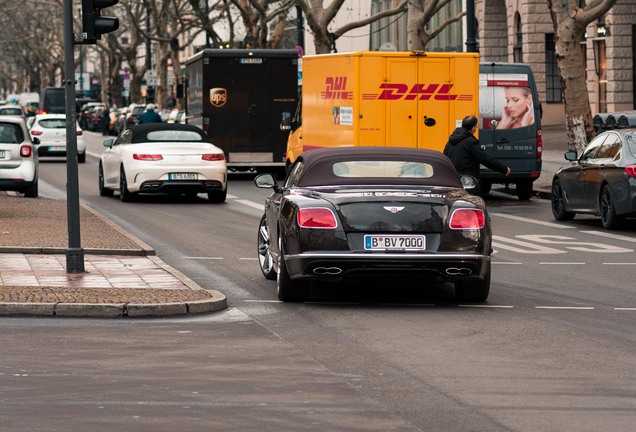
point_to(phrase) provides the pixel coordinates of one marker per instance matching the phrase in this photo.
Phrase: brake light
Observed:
(80, 133)
(147, 157)
(36, 132)
(467, 219)
(539, 144)
(631, 170)
(26, 151)
(316, 218)
(213, 157)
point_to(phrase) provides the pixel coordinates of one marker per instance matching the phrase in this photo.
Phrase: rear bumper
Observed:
(180, 187)
(434, 267)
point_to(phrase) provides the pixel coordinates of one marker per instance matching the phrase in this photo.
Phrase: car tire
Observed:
(288, 290)
(81, 158)
(103, 190)
(558, 203)
(124, 194)
(473, 291)
(609, 219)
(32, 190)
(524, 190)
(485, 187)
(217, 196)
(265, 260)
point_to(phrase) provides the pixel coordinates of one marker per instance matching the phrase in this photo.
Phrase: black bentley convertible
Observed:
(344, 213)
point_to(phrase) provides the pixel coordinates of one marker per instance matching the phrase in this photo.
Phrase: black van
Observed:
(53, 100)
(510, 125)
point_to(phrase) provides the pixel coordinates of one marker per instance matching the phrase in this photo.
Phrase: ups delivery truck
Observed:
(236, 96)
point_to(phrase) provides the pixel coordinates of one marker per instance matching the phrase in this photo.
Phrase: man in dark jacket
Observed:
(464, 151)
(149, 116)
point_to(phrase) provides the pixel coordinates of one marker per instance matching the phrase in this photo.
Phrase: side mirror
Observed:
(570, 155)
(265, 181)
(285, 121)
(469, 183)
(108, 143)
(35, 140)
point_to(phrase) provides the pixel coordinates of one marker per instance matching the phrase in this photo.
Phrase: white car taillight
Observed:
(147, 157)
(316, 217)
(26, 150)
(213, 157)
(467, 219)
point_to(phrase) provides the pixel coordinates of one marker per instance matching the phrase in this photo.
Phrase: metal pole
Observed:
(148, 54)
(300, 30)
(74, 253)
(471, 42)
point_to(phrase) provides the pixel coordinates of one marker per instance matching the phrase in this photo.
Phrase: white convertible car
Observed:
(163, 158)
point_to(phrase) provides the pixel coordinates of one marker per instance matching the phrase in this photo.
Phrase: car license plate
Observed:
(395, 242)
(57, 148)
(183, 176)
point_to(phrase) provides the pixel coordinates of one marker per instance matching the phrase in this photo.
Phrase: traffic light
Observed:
(93, 23)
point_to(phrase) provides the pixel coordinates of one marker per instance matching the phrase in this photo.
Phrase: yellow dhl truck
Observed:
(374, 98)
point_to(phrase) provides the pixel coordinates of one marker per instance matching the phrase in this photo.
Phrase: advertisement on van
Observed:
(508, 103)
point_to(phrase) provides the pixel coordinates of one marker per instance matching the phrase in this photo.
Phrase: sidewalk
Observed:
(122, 277)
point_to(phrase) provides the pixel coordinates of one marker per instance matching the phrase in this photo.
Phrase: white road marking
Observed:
(203, 258)
(251, 204)
(248, 259)
(530, 248)
(263, 301)
(574, 244)
(507, 263)
(610, 235)
(534, 221)
(618, 263)
(562, 263)
(486, 306)
(231, 196)
(566, 307)
(625, 309)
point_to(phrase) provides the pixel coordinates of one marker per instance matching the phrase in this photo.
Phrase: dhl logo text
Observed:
(335, 89)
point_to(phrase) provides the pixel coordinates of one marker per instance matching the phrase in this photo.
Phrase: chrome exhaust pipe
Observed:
(458, 271)
(331, 271)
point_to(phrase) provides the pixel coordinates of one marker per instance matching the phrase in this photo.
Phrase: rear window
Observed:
(138, 110)
(174, 135)
(383, 169)
(10, 133)
(54, 99)
(53, 123)
(11, 111)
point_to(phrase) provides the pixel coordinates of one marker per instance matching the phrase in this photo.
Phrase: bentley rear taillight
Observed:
(147, 157)
(631, 170)
(316, 217)
(467, 219)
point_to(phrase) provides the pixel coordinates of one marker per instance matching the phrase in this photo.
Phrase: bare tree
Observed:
(319, 18)
(569, 22)
(420, 14)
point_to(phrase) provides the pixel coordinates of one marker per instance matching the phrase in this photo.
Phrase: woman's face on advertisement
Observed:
(517, 102)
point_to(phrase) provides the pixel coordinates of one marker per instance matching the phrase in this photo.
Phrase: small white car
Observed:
(18, 158)
(163, 158)
(12, 111)
(50, 129)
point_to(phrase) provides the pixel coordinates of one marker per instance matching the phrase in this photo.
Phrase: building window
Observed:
(552, 79)
(517, 50)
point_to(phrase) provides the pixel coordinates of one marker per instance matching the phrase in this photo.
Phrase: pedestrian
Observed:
(171, 101)
(149, 116)
(464, 151)
(105, 121)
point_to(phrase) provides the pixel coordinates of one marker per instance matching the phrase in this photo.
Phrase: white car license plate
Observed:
(57, 148)
(183, 176)
(394, 242)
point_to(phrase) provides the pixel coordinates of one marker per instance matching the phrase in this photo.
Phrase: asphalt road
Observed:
(552, 349)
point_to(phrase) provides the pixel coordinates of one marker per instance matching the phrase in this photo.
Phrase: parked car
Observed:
(601, 181)
(133, 113)
(18, 158)
(162, 158)
(50, 129)
(345, 213)
(12, 110)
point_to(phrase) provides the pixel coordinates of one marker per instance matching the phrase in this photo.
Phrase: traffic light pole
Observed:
(74, 252)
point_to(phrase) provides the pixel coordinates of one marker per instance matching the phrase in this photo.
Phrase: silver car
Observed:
(18, 158)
